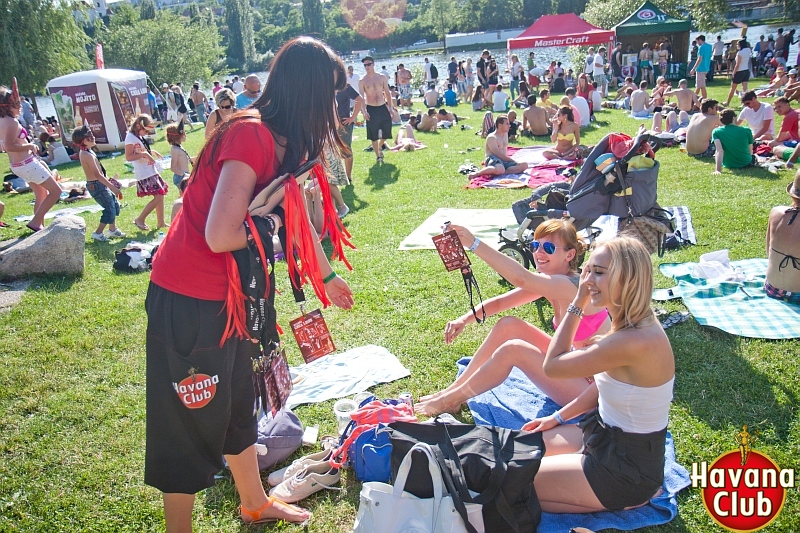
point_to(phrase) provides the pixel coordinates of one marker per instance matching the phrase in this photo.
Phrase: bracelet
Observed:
(575, 310)
(557, 416)
(329, 277)
(475, 244)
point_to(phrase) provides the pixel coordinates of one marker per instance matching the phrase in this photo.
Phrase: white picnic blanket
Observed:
(484, 223)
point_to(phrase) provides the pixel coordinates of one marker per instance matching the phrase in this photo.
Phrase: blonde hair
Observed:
(565, 231)
(141, 122)
(631, 270)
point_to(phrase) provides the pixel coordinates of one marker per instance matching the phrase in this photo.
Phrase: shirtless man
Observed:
(641, 103)
(428, 122)
(200, 101)
(497, 161)
(534, 118)
(687, 99)
(698, 133)
(404, 78)
(377, 111)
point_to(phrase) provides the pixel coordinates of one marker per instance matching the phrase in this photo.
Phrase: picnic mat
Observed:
(540, 171)
(89, 208)
(343, 374)
(737, 307)
(517, 400)
(484, 224)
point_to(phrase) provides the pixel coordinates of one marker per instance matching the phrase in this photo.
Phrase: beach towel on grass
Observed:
(484, 224)
(89, 208)
(541, 171)
(683, 222)
(739, 308)
(517, 400)
(343, 374)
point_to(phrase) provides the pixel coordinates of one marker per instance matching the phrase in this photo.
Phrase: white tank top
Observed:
(631, 408)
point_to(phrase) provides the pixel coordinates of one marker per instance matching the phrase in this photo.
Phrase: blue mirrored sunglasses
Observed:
(548, 247)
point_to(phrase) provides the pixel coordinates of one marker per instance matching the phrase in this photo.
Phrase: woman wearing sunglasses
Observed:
(226, 105)
(514, 342)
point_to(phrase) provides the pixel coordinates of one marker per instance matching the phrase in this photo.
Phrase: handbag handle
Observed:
(433, 469)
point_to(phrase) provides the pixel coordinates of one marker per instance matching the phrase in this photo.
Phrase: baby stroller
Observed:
(604, 186)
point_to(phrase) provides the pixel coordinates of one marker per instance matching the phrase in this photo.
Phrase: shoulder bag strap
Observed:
(451, 484)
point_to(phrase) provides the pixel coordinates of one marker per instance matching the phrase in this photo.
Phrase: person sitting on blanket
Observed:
(497, 161)
(427, 122)
(535, 119)
(625, 103)
(626, 408)
(621, 92)
(701, 125)
(783, 248)
(674, 121)
(687, 99)
(733, 144)
(514, 342)
(566, 135)
(641, 103)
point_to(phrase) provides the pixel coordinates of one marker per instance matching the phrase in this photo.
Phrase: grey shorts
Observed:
(494, 161)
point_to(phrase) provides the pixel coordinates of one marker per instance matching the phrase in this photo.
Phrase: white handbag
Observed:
(385, 508)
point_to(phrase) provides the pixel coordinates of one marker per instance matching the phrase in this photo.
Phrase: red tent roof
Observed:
(561, 30)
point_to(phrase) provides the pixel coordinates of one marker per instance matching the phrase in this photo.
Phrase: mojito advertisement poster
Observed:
(129, 99)
(79, 106)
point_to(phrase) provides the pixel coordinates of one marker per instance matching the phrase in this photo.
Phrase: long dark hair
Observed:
(297, 104)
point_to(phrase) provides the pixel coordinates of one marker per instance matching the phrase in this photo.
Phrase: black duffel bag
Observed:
(497, 463)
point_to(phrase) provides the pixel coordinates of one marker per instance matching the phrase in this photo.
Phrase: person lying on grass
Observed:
(626, 409)
(512, 341)
(497, 160)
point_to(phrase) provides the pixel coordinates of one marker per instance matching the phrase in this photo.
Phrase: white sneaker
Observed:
(343, 210)
(99, 237)
(313, 478)
(277, 477)
(116, 233)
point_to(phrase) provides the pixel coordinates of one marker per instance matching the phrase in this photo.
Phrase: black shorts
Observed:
(741, 76)
(379, 125)
(199, 396)
(623, 469)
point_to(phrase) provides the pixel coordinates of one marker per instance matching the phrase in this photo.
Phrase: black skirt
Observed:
(623, 469)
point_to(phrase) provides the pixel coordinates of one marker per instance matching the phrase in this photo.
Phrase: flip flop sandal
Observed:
(329, 442)
(4, 225)
(255, 516)
(675, 318)
(142, 226)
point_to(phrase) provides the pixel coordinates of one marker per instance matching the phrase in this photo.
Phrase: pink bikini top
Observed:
(23, 133)
(588, 326)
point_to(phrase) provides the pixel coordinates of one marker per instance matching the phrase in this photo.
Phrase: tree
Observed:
(708, 15)
(192, 49)
(533, 9)
(194, 11)
(241, 42)
(147, 11)
(313, 22)
(442, 16)
(39, 40)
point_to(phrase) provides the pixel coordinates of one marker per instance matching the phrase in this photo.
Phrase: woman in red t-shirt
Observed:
(199, 380)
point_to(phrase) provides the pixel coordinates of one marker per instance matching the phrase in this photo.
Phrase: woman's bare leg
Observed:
(47, 194)
(159, 210)
(151, 205)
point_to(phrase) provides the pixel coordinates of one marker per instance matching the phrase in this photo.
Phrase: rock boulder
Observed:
(57, 249)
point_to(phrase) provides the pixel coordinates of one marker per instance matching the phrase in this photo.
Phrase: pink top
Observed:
(588, 326)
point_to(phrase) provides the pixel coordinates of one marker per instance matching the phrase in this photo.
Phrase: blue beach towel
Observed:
(517, 400)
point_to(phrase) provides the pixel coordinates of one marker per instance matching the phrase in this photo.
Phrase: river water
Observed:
(543, 56)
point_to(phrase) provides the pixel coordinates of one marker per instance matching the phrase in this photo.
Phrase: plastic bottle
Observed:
(160, 236)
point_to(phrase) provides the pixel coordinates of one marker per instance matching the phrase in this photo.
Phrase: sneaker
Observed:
(313, 478)
(277, 477)
(99, 237)
(116, 233)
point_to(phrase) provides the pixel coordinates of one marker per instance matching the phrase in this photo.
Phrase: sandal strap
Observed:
(256, 515)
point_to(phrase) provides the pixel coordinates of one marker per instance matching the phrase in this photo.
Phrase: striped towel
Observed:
(683, 223)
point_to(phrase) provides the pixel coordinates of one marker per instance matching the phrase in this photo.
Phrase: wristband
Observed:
(557, 416)
(329, 277)
(575, 310)
(475, 244)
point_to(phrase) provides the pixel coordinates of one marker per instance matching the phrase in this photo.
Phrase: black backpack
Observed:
(434, 72)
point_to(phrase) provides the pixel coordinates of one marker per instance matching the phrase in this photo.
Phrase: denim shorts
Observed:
(102, 195)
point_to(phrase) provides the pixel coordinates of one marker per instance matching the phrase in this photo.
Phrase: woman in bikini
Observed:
(22, 156)
(646, 63)
(566, 135)
(179, 157)
(512, 341)
(226, 105)
(614, 458)
(783, 248)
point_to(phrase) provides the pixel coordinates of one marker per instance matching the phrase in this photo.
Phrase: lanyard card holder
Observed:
(272, 379)
(455, 258)
(312, 335)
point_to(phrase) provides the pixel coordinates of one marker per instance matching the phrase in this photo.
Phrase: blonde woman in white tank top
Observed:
(634, 371)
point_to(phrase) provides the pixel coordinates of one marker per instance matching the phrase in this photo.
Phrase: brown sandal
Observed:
(255, 516)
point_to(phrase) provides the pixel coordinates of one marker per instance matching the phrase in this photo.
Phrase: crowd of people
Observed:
(609, 360)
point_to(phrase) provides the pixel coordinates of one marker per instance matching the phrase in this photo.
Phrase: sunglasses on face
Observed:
(226, 106)
(368, 64)
(548, 247)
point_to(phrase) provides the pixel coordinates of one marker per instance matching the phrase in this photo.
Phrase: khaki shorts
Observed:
(32, 170)
(700, 79)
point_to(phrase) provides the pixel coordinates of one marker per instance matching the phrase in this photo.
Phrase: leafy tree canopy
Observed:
(165, 47)
(39, 41)
(708, 15)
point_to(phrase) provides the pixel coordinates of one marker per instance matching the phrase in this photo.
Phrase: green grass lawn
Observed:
(72, 384)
